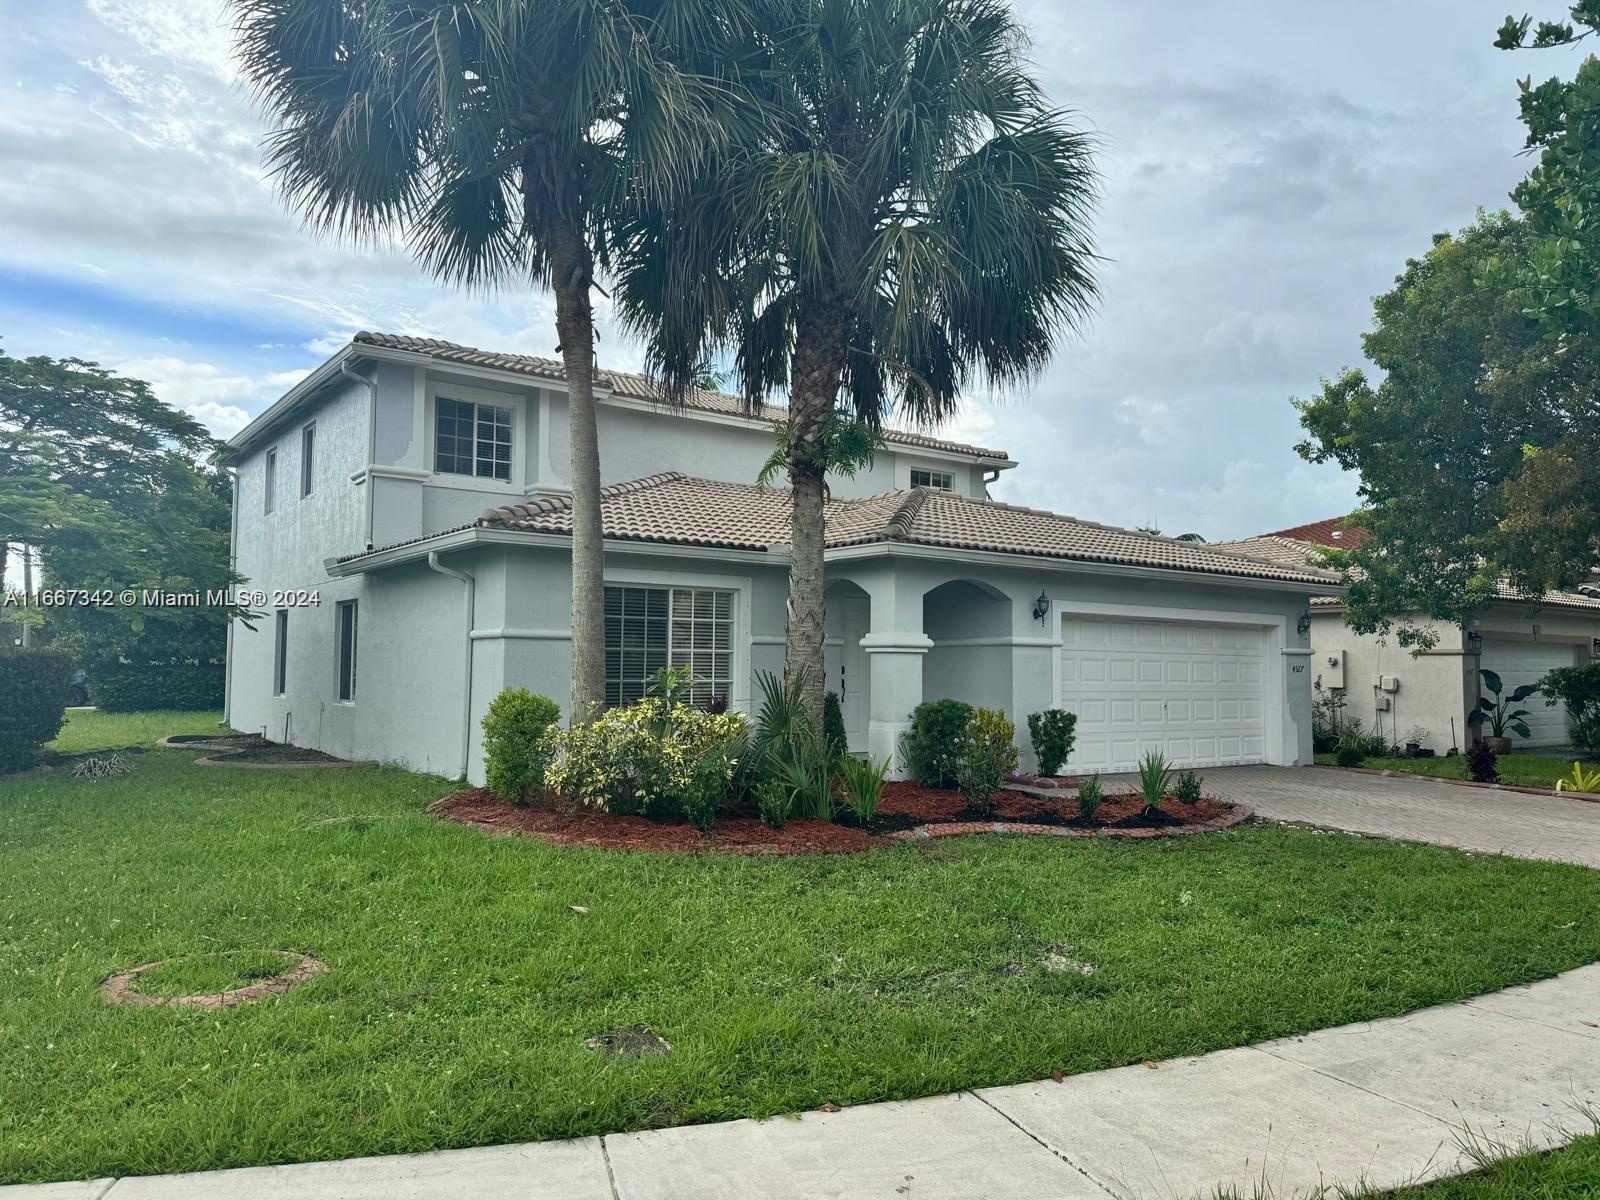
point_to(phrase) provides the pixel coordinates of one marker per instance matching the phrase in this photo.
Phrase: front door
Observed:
(845, 664)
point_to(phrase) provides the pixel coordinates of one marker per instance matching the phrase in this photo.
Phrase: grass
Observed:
(89, 729)
(208, 974)
(1521, 770)
(1572, 1173)
(462, 984)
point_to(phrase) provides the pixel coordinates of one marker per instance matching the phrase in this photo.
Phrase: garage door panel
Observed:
(1193, 692)
(1521, 663)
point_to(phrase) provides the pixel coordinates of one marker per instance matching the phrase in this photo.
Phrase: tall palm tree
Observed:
(500, 139)
(912, 217)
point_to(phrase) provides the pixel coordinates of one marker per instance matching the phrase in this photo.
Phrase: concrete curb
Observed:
(1238, 816)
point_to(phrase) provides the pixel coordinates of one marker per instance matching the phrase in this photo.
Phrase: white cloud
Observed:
(214, 397)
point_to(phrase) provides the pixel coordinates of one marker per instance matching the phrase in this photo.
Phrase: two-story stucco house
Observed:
(417, 490)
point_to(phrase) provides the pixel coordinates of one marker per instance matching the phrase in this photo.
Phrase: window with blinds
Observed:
(649, 628)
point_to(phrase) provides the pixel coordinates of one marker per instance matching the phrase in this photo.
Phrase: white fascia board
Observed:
(462, 539)
(1040, 562)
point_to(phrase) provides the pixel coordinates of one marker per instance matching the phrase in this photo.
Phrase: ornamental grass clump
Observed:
(1155, 774)
(1091, 795)
(863, 785)
(985, 756)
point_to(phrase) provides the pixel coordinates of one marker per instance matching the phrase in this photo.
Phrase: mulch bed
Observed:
(908, 810)
(251, 750)
(585, 827)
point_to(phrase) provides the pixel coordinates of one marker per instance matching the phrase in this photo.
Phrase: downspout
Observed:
(988, 478)
(466, 674)
(372, 436)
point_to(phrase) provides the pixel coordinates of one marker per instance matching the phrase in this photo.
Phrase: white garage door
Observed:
(1518, 663)
(1191, 691)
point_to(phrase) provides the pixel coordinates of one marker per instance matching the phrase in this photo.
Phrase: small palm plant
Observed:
(1155, 773)
(1581, 780)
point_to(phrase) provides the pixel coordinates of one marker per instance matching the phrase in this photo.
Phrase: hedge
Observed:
(140, 687)
(34, 684)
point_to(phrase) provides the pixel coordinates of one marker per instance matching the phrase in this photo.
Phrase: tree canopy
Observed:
(1479, 447)
(115, 489)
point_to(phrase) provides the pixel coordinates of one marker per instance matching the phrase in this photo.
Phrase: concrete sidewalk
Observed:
(1377, 1104)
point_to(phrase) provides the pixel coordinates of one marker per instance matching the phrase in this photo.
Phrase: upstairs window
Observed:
(270, 482)
(943, 480)
(651, 628)
(472, 439)
(308, 459)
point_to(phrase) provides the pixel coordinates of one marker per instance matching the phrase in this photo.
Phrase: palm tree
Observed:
(500, 139)
(912, 216)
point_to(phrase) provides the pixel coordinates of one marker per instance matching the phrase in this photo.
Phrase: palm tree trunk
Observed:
(572, 274)
(814, 378)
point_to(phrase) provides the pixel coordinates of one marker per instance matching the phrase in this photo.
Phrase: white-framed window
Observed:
(269, 485)
(923, 477)
(308, 458)
(470, 438)
(648, 628)
(346, 623)
(280, 652)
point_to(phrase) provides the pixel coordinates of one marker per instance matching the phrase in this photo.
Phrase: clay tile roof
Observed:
(677, 509)
(631, 386)
(1335, 531)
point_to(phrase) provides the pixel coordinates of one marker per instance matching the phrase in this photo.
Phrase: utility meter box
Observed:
(1390, 684)
(1331, 669)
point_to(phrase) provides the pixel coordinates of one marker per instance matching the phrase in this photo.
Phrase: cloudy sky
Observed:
(1267, 170)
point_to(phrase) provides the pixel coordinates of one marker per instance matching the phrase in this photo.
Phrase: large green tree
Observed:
(115, 489)
(1479, 448)
(911, 216)
(501, 139)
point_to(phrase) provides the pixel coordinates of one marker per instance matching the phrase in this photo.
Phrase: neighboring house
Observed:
(418, 490)
(1387, 686)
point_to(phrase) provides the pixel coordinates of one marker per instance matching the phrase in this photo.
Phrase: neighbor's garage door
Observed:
(1518, 663)
(1191, 691)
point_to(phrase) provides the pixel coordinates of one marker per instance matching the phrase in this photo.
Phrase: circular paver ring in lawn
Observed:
(123, 989)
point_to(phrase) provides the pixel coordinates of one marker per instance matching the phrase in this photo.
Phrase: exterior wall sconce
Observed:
(1041, 607)
(1303, 626)
(1474, 642)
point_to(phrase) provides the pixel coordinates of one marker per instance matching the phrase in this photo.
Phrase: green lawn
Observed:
(1569, 1174)
(463, 985)
(1522, 770)
(89, 729)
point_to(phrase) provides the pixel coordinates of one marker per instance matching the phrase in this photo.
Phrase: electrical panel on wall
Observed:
(1331, 670)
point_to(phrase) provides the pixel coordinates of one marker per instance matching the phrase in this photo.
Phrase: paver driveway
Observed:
(1419, 810)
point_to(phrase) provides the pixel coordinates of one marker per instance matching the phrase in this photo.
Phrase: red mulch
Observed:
(586, 827)
(929, 805)
(905, 805)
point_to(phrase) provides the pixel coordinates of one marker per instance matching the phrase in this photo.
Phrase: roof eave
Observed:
(282, 407)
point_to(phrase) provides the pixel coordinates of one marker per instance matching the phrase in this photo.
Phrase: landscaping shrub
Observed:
(1155, 774)
(1091, 794)
(863, 785)
(712, 775)
(1579, 689)
(985, 756)
(774, 801)
(142, 687)
(1481, 766)
(518, 743)
(33, 684)
(833, 733)
(641, 759)
(789, 748)
(1349, 756)
(930, 746)
(1052, 732)
(1188, 788)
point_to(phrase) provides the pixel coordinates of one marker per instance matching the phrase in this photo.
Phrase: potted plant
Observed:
(1501, 714)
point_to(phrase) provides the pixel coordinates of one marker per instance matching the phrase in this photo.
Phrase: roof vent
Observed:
(1337, 533)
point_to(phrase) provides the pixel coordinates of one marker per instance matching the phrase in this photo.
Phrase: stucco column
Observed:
(1033, 686)
(894, 670)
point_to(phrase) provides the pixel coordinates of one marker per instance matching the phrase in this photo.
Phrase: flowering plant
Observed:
(984, 756)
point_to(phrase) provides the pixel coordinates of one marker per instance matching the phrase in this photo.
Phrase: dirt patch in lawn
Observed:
(252, 750)
(552, 822)
(907, 810)
(275, 972)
